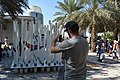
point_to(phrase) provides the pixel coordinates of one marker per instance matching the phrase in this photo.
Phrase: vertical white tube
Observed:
(25, 40)
(22, 39)
(29, 59)
(33, 42)
(16, 43)
(40, 51)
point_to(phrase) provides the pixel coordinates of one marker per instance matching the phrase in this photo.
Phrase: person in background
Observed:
(6, 41)
(6, 46)
(114, 51)
(75, 50)
(106, 45)
(110, 48)
(101, 54)
(118, 49)
(0, 52)
(99, 44)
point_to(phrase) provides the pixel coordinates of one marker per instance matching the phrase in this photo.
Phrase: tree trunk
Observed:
(118, 36)
(115, 34)
(93, 35)
(1, 19)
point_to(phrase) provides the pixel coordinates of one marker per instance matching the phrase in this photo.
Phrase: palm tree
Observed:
(113, 7)
(69, 10)
(103, 15)
(85, 13)
(73, 10)
(12, 7)
(92, 11)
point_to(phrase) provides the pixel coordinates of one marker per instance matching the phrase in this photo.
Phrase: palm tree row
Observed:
(100, 15)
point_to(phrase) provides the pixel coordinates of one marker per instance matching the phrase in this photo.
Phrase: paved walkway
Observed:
(108, 70)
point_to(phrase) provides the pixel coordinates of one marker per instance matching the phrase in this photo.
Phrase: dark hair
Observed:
(118, 42)
(72, 25)
(6, 37)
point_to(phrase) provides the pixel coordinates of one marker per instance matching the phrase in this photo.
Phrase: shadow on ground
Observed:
(94, 66)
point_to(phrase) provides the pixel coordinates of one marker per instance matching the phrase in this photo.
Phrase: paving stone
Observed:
(108, 70)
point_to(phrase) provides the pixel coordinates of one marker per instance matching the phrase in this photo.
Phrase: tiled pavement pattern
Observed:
(107, 70)
(8, 74)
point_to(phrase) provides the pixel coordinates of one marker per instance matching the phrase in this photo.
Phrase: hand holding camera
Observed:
(58, 38)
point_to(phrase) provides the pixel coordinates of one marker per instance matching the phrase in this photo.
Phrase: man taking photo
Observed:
(75, 50)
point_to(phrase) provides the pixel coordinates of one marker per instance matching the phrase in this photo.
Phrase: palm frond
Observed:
(13, 7)
(63, 7)
(59, 13)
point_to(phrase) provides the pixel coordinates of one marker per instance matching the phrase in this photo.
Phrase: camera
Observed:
(60, 38)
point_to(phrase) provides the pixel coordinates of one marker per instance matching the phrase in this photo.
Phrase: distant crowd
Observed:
(112, 48)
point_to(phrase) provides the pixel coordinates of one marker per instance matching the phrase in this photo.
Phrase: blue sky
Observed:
(48, 8)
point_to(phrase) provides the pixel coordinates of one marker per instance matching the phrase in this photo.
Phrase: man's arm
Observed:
(53, 47)
(63, 46)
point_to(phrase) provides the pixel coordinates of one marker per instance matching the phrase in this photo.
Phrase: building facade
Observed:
(36, 12)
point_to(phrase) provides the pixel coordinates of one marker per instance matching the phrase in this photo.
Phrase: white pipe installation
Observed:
(32, 44)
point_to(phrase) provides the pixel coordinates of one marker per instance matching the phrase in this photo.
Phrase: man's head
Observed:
(72, 26)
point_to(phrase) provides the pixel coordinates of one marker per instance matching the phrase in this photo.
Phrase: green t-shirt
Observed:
(75, 51)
